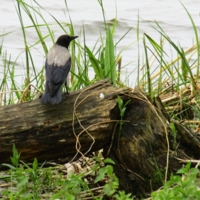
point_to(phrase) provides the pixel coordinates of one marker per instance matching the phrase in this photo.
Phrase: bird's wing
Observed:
(56, 75)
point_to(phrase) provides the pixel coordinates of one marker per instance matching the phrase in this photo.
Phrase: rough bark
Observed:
(48, 132)
(142, 144)
(141, 151)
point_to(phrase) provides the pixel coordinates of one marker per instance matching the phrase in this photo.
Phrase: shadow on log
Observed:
(88, 120)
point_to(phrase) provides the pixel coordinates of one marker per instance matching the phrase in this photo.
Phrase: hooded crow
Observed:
(57, 67)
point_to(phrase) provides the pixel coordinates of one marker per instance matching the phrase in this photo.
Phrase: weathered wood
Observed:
(143, 148)
(141, 152)
(48, 131)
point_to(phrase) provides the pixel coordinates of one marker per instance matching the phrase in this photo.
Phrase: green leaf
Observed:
(196, 37)
(120, 102)
(95, 167)
(102, 172)
(23, 182)
(108, 189)
(95, 64)
(109, 161)
(35, 164)
(109, 170)
(110, 65)
(97, 158)
(16, 156)
(184, 169)
(122, 111)
(9, 166)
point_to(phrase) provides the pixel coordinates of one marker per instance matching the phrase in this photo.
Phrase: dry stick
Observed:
(165, 67)
(75, 114)
(73, 119)
(189, 160)
(119, 61)
(1, 93)
(10, 91)
(27, 88)
(77, 137)
(113, 134)
(174, 61)
(168, 79)
(84, 194)
(78, 118)
(85, 129)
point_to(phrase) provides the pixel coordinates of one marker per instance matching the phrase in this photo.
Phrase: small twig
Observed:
(73, 128)
(189, 160)
(112, 138)
(24, 91)
(108, 121)
(119, 62)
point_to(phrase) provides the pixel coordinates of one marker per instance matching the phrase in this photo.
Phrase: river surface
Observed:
(170, 14)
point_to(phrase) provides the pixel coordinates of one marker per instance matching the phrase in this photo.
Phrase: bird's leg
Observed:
(67, 92)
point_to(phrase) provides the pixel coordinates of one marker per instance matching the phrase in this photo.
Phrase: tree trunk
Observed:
(142, 144)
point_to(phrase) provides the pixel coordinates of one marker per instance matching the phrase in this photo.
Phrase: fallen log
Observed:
(142, 144)
(49, 132)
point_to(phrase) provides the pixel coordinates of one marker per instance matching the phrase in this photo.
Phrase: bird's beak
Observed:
(73, 37)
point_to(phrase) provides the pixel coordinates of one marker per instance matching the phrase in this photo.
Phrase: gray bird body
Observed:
(57, 67)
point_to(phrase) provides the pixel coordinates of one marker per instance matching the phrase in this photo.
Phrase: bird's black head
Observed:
(64, 40)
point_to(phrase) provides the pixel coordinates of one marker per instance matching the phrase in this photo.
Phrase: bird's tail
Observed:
(55, 99)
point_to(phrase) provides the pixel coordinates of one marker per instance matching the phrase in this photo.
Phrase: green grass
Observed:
(31, 181)
(183, 185)
(101, 59)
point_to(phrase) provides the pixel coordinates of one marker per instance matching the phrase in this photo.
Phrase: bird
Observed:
(57, 67)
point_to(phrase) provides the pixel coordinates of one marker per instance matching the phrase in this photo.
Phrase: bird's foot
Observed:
(66, 93)
(40, 96)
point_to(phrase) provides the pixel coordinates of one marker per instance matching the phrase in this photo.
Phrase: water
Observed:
(170, 15)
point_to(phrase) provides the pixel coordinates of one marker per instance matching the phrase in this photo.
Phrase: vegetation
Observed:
(184, 185)
(175, 81)
(31, 181)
